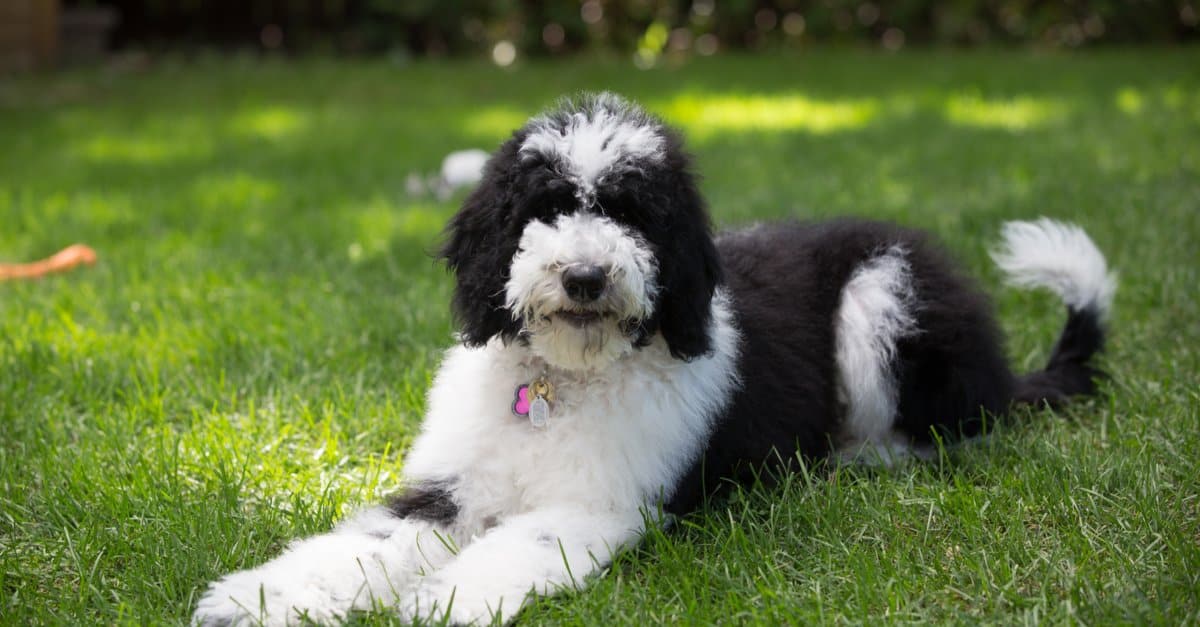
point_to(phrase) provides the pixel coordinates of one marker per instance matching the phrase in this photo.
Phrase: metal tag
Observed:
(539, 412)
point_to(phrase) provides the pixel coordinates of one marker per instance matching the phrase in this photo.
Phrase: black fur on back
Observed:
(786, 282)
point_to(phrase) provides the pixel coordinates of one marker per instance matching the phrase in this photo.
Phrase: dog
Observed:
(617, 365)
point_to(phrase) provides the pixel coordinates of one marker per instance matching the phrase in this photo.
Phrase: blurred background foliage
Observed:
(652, 31)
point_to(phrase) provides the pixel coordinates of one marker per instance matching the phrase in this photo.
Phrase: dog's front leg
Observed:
(536, 553)
(365, 562)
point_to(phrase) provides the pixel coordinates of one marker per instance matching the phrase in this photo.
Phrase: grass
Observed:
(248, 361)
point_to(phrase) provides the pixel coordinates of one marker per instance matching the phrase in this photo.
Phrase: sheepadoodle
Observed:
(618, 364)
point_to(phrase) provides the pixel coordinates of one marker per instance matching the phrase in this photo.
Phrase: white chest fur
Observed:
(617, 438)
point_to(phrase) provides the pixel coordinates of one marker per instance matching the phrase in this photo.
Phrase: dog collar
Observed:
(533, 400)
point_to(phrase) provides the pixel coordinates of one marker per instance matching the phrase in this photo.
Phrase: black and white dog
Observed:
(618, 362)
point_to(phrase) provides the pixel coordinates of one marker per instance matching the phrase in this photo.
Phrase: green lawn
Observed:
(248, 361)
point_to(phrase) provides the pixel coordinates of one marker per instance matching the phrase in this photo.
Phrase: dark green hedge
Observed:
(653, 27)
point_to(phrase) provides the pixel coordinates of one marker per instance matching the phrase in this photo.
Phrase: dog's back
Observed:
(861, 339)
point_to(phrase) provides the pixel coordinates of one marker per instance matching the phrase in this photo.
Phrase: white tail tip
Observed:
(1060, 257)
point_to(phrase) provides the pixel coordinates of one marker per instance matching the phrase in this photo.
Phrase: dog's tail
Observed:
(1063, 259)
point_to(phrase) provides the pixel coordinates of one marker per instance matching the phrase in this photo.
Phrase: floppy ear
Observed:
(479, 249)
(688, 266)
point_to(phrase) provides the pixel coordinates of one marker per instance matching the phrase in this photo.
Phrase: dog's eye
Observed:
(626, 212)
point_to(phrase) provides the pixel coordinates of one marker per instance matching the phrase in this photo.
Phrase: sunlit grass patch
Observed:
(123, 148)
(380, 223)
(1011, 114)
(160, 138)
(237, 189)
(278, 455)
(1173, 98)
(1129, 100)
(494, 123)
(270, 122)
(703, 115)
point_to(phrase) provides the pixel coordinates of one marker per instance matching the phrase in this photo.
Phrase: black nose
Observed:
(584, 284)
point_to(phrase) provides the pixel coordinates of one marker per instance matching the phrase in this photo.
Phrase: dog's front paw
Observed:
(250, 598)
(436, 601)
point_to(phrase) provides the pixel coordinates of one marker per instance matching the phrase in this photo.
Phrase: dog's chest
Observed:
(618, 435)
(616, 439)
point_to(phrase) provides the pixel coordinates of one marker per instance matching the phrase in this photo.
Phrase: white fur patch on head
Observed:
(604, 135)
(1059, 257)
(535, 288)
(877, 309)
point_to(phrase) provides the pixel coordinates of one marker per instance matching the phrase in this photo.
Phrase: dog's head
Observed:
(586, 238)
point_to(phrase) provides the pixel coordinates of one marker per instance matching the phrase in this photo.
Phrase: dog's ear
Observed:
(479, 249)
(689, 269)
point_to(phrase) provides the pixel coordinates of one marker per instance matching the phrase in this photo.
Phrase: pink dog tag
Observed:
(521, 402)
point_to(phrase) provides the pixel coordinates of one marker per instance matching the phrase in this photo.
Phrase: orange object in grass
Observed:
(67, 258)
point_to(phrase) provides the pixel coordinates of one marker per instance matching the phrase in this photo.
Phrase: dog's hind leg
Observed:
(877, 310)
(919, 355)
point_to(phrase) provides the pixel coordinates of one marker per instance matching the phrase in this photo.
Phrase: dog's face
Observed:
(585, 239)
